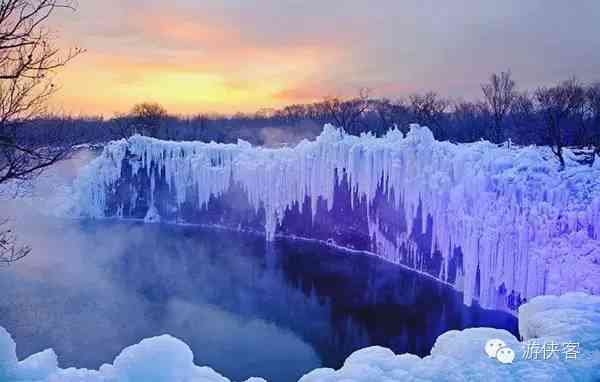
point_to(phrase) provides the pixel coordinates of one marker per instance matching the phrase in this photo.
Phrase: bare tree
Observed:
(469, 120)
(347, 113)
(10, 250)
(389, 114)
(291, 115)
(148, 118)
(592, 96)
(429, 109)
(383, 108)
(28, 58)
(524, 118)
(499, 95)
(555, 105)
(121, 126)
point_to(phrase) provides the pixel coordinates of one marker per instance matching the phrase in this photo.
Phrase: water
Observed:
(245, 307)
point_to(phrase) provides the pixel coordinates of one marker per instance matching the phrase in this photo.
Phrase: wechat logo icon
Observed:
(496, 348)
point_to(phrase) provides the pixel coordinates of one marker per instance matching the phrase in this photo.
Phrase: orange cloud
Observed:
(304, 94)
(99, 84)
(189, 65)
(179, 31)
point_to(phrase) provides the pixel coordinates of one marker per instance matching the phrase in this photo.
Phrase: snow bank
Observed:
(457, 355)
(159, 359)
(501, 224)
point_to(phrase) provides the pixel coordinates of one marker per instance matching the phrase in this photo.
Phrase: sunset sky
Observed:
(226, 56)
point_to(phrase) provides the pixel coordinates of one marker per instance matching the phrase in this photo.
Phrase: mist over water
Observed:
(244, 306)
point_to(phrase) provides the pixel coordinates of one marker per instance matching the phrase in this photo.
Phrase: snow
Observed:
(456, 356)
(159, 359)
(525, 226)
(459, 355)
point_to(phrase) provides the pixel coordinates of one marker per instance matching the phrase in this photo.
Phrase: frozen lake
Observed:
(245, 308)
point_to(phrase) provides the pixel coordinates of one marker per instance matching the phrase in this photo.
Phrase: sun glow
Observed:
(114, 85)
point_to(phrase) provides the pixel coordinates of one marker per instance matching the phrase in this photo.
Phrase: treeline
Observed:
(566, 114)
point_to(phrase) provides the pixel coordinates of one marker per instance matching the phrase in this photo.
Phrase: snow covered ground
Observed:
(502, 224)
(457, 355)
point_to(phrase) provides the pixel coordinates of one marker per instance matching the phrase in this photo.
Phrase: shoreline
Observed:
(293, 238)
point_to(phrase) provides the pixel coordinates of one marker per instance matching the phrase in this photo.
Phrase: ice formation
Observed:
(457, 355)
(573, 318)
(159, 359)
(502, 224)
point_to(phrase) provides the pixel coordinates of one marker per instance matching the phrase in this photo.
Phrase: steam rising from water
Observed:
(245, 307)
(69, 293)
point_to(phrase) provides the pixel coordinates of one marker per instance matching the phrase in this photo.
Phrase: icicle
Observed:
(514, 215)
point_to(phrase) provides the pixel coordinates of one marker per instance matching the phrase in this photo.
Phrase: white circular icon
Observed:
(505, 355)
(492, 347)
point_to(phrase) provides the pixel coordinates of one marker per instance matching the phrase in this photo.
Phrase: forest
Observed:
(566, 114)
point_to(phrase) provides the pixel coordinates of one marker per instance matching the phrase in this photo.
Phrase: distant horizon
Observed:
(56, 110)
(228, 56)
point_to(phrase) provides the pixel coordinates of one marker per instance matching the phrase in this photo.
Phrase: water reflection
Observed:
(246, 308)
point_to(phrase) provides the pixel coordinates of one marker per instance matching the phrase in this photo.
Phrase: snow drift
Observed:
(502, 224)
(457, 355)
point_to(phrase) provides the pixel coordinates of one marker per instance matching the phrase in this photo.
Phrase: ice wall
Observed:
(502, 224)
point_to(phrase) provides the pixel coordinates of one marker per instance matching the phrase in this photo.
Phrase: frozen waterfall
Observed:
(502, 224)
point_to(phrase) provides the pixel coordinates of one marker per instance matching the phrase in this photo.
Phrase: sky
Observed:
(225, 56)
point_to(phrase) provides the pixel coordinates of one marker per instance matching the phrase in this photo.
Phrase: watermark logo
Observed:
(532, 350)
(551, 349)
(492, 347)
(496, 348)
(505, 355)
